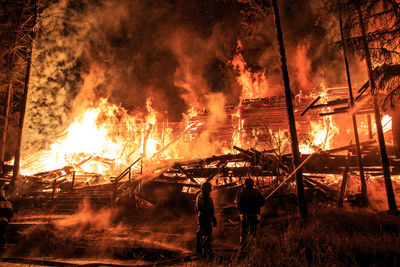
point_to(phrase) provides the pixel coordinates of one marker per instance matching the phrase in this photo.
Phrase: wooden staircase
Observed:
(97, 197)
(70, 199)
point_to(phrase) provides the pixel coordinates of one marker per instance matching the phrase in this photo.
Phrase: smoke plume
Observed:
(176, 52)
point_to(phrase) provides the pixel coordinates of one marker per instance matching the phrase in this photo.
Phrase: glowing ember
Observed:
(386, 123)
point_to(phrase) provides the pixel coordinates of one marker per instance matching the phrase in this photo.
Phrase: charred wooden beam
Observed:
(364, 111)
(332, 103)
(362, 90)
(344, 181)
(345, 110)
(220, 166)
(186, 173)
(248, 153)
(335, 111)
(339, 149)
(227, 157)
(223, 171)
(194, 124)
(370, 135)
(313, 176)
(176, 183)
(329, 191)
(311, 105)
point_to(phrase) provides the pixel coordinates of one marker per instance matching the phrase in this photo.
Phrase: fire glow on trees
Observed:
(117, 135)
(109, 132)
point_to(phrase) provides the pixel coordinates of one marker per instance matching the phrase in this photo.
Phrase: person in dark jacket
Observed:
(6, 213)
(249, 202)
(206, 217)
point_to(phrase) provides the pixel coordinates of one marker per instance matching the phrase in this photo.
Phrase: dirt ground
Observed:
(349, 236)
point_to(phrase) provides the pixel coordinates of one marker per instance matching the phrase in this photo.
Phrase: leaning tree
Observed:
(381, 19)
(372, 29)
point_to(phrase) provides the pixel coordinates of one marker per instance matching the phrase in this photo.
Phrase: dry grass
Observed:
(329, 237)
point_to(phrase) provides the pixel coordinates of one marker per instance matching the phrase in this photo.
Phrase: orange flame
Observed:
(321, 133)
(254, 85)
(386, 123)
(105, 132)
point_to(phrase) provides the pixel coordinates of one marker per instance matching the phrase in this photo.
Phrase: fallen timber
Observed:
(227, 172)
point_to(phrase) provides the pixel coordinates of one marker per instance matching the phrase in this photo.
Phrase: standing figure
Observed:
(205, 214)
(249, 202)
(6, 213)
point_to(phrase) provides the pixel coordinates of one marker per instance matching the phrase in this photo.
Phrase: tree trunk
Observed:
(34, 4)
(353, 116)
(378, 123)
(395, 114)
(289, 107)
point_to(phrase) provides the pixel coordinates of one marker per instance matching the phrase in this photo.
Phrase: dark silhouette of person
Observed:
(206, 217)
(249, 202)
(6, 213)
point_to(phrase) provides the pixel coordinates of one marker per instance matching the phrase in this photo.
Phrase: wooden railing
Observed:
(59, 180)
(127, 171)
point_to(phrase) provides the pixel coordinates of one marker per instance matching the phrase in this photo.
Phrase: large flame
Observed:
(322, 132)
(386, 123)
(99, 140)
(254, 84)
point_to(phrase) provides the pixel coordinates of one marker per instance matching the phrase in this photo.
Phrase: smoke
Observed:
(56, 74)
(302, 66)
(205, 144)
(176, 52)
(86, 95)
(86, 217)
(158, 49)
(200, 61)
(377, 195)
(62, 237)
(127, 51)
(311, 53)
(107, 234)
(376, 190)
(311, 40)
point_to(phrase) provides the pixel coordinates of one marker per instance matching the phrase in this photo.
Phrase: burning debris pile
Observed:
(166, 164)
(105, 114)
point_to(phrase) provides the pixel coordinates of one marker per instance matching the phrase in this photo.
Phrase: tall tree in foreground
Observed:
(376, 25)
(261, 8)
(289, 107)
(16, 45)
(354, 119)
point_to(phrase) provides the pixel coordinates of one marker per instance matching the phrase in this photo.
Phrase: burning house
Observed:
(90, 140)
(155, 157)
